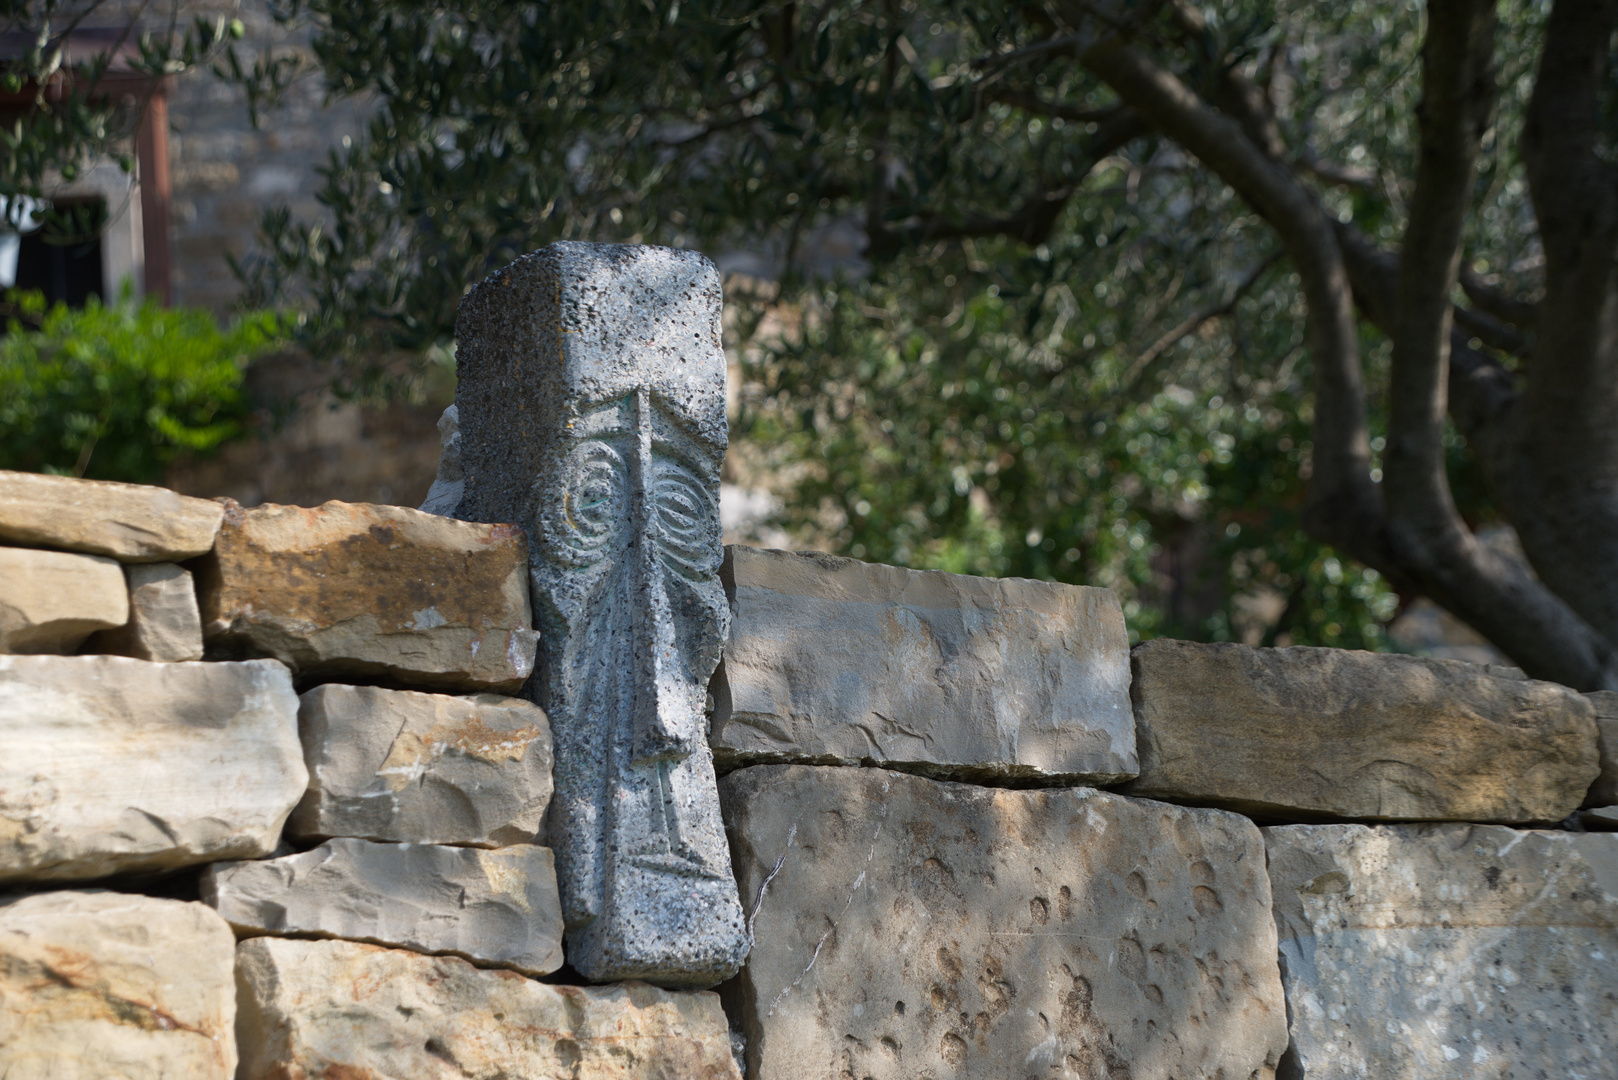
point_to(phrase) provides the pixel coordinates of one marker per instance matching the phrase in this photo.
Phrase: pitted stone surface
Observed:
(110, 986)
(130, 522)
(337, 1010)
(906, 927)
(112, 764)
(494, 908)
(51, 601)
(1312, 734)
(591, 399)
(1604, 792)
(833, 661)
(1418, 951)
(164, 622)
(352, 589)
(423, 768)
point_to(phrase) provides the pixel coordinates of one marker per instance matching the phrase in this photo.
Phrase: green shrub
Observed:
(116, 392)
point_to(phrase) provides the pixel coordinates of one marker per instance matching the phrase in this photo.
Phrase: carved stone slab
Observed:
(591, 401)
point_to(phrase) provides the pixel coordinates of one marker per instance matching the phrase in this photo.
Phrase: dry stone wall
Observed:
(270, 807)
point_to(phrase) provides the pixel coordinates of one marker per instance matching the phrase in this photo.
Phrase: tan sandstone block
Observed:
(353, 589)
(835, 661)
(50, 601)
(111, 764)
(336, 1009)
(130, 522)
(164, 623)
(423, 768)
(494, 908)
(906, 927)
(101, 985)
(1313, 734)
(1604, 792)
(1418, 951)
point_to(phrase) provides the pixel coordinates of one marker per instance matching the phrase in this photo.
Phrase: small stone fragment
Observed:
(1313, 734)
(98, 985)
(164, 623)
(450, 483)
(423, 768)
(50, 601)
(1418, 951)
(1604, 792)
(494, 908)
(112, 764)
(906, 927)
(834, 661)
(353, 589)
(1600, 819)
(130, 522)
(335, 1009)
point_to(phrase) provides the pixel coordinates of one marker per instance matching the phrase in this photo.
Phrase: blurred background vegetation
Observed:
(983, 319)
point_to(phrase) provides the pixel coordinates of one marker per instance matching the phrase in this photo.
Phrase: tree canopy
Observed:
(1256, 311)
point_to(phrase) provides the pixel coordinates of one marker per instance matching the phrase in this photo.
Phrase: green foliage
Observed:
(1068, 351)
(115, 393)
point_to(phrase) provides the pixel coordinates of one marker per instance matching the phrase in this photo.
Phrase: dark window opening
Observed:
(63, 258)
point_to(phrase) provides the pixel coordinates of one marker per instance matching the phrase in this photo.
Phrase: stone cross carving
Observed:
(591, 400)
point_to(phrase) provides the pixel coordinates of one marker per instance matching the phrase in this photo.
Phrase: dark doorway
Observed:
(63, 258)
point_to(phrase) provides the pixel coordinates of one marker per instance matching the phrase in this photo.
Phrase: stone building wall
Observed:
(269, 808)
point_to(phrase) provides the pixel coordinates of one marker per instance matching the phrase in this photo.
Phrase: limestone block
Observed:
(424, 768)
(164, 623)
(1604, 792)
(450, 482)
(1312, 734)
(833, 661)
(336, 1009)
(352, 589)
(590, 394)
(110, 986)
(50, 601)
(1419, 951)
(906, 927)
(494, 908)
(112, 764)
(130, 522)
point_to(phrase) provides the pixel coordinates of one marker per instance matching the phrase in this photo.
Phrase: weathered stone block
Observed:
(1604, 792)
(590, 389)
(98, 985)
(352, 589)
(112, 764)
(336, 1009)
(494, 908)
(906, 927)
(50, 601)
(164, 622)
(833, 661)
(130, 522)
(423, 768)
(1313, 734)
(1419, 951)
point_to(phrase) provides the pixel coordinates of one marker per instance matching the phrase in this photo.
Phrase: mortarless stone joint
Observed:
(591, 401)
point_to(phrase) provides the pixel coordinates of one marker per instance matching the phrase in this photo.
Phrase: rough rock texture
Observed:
(112, 764)
(130, 522)
(1600, 819)
(1419, 951)
(110, 986)
(590, 389)
(833, 661)
(336, 1010)
(1312, 734)
(51, 601)
(164, 623)
(423, 768)
(906, 927)
(1604, 792)
(351, 589)
(494, 908)
(445, 494)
